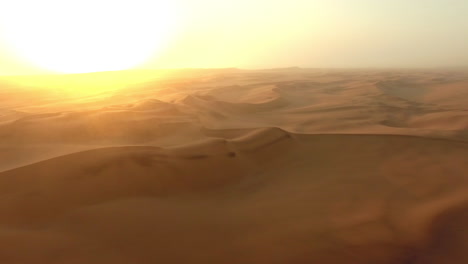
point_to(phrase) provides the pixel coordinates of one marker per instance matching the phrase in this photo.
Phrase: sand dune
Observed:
(234, 166)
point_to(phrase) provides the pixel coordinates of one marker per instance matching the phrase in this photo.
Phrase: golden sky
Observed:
(100, 35)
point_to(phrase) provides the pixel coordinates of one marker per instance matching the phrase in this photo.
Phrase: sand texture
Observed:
(228, 166)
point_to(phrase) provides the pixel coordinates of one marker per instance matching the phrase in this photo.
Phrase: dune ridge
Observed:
(234, 166)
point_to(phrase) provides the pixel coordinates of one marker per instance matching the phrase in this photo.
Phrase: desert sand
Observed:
(233, 166)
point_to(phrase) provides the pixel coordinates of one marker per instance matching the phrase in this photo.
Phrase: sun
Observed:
(75, 36)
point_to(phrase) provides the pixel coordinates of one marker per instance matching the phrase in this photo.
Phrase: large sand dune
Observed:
(234, 166)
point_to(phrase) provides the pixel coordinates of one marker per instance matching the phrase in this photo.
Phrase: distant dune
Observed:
(234, 166)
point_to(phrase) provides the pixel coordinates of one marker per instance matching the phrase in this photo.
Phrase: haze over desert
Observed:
(235, 166)
(233, 132)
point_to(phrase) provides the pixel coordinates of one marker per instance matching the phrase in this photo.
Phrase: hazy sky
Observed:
(304, 33)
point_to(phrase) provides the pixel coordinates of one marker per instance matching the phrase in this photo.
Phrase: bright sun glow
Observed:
(75, 36)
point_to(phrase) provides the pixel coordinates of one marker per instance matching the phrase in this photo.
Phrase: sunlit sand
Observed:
(235, 166)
